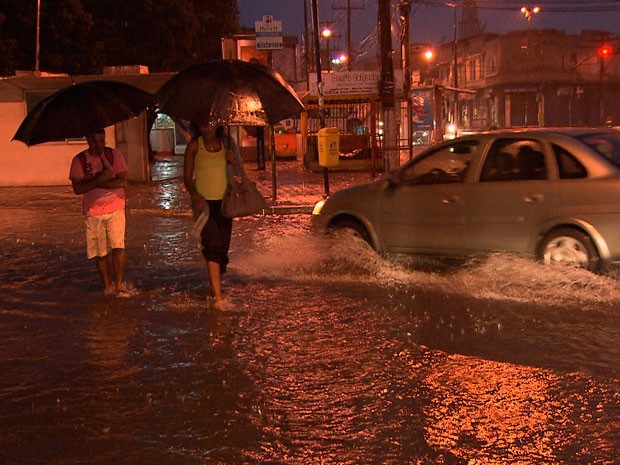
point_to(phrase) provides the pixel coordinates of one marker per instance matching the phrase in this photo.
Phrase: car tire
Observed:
(570, 247)
(354, 227)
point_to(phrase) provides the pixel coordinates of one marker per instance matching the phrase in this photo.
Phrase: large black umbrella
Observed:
(229, 92)
(81, 109)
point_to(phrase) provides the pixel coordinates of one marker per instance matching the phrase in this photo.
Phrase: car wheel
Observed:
(354, 227)
(571, 247)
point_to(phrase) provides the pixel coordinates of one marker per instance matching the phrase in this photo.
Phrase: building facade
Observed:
(533, 77)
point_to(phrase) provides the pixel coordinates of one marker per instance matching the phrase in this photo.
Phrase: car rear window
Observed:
(605, 143)
(568, 166)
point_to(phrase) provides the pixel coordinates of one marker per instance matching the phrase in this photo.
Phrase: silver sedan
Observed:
(552, 193)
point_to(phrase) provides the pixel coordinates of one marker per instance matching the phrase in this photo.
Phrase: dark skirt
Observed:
(216, 235)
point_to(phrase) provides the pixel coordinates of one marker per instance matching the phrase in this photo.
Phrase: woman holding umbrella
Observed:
(211, 160)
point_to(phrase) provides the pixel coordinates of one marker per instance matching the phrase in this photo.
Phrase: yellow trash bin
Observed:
(329, 147)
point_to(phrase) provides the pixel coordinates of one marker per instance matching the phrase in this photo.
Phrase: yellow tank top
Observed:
(210, 172)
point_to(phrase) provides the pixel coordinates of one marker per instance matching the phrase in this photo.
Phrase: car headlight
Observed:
(318, 207)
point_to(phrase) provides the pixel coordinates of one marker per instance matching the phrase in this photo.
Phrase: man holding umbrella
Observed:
(99, 174)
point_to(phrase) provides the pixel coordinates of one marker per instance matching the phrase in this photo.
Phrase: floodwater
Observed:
(331, 355)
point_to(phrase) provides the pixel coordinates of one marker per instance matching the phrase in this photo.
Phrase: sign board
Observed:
(421, 108)
(269, 43)
(352, 83)
(268, 33)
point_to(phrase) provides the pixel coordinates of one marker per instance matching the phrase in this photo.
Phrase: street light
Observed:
(527, 13)
(604, 52)
(327, 33)
(339, 60)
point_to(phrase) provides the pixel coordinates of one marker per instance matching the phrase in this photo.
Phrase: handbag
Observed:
(242, 198)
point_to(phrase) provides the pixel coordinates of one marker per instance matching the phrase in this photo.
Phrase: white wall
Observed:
(48, 164)
(132, 139)
(40, 165)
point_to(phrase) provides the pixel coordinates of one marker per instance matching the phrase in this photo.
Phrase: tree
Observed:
(17, 30)
(65, 37)
(83, 36)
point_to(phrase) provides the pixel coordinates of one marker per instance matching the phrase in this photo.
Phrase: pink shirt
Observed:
(99, 201)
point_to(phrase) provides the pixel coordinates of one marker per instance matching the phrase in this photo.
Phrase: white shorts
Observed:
(104, 233)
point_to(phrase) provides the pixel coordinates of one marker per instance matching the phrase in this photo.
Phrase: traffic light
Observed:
(605, 51)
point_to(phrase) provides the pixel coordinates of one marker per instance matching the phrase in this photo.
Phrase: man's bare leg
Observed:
(104, 271)
(120, 259)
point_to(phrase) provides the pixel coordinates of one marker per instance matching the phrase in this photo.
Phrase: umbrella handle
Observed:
(104, 160)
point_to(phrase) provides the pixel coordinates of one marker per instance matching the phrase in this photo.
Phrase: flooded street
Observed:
(332, 355)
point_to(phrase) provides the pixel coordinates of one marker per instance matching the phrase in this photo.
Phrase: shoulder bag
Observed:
(242, 198)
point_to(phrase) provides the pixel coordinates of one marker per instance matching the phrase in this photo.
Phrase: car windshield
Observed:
(607, 144)
(448, 163)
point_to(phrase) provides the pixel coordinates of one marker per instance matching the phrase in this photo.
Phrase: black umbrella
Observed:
(81, 109)
(229, 92)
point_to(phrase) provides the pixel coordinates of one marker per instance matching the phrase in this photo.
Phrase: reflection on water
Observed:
(331, 355)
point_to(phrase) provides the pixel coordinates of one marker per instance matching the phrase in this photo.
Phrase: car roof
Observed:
(569, 131)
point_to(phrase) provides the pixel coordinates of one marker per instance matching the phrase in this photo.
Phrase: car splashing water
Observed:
(499, 276)
(332, 354)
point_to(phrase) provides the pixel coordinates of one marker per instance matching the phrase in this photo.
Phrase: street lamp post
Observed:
(319, 81)
(36, 53)
(604, 52)
(527, 13)
(455, 77)
(327, 33)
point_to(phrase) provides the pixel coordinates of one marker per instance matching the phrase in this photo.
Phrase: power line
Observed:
(348, 8)
(585, 6)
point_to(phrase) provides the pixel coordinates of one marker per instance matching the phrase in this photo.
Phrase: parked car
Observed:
(551, 193)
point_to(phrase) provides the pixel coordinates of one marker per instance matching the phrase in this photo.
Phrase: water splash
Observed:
(311, 258)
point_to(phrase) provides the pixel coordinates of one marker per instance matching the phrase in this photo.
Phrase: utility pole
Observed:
(349, 48)
(307, 47)
(37, 47)
(386, 89)
(455, 117)
(319, 81)
(604, 52)
(403, 16)
(327, 32)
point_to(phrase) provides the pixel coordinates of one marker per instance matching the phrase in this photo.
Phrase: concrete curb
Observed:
(273, 210)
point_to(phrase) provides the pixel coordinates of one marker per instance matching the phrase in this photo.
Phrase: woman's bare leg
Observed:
(215, 280)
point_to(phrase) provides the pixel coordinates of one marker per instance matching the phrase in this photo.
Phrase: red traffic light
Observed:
(605, 50)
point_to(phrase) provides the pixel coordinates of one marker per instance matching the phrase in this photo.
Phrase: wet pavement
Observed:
(331, 355)
(296, 190)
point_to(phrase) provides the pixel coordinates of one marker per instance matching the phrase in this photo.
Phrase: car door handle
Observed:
(450, 200)
(533, 198)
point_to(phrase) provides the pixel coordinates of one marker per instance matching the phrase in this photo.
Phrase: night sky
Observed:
(434, 24)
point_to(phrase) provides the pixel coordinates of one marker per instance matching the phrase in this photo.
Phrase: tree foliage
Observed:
(83, 36)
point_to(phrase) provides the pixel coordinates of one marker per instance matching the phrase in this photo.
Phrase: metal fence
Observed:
(363, 131)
